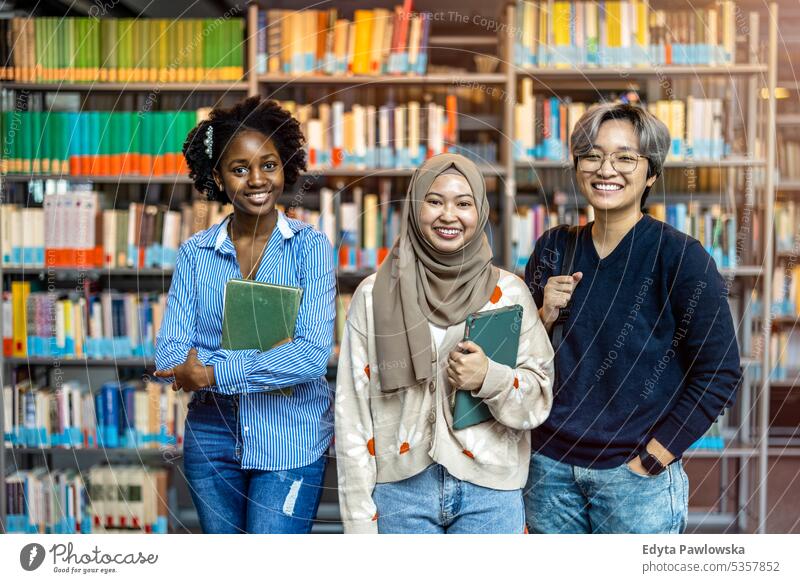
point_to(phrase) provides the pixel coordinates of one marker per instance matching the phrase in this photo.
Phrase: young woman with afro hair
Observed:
(254, 455)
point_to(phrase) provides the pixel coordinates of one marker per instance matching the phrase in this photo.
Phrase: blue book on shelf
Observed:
(107, 406)
(127, 418)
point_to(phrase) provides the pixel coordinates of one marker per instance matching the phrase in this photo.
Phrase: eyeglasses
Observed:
(622, 162)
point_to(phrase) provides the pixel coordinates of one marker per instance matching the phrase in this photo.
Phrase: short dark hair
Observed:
(654, 139)
(254, 113)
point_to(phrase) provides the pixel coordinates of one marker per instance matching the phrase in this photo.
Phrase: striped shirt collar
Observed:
(217, 236)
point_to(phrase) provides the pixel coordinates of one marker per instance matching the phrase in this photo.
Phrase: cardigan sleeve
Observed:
(355, 442)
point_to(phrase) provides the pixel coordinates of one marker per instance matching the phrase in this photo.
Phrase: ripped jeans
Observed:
(230, 499)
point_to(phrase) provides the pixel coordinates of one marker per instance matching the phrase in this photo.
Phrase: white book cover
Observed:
(413, 127)
(360, 131)
(109, 239)
(327, 218)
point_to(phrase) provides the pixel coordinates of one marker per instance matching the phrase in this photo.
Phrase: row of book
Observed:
(361, 226)
(70, 230)
(543, 126)
(785, 354)
(115, 499)
(123, 50)
(96, 143)
(529, 223)
(388, 136)
(375, 42)
(107, 325)
(622, 33)
(787, 227)
(786, 290)
(131, 415)
(713, 227)
(788, 152)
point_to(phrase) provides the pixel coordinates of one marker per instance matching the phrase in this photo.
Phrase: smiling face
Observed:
(607, 189)
(448, 217)
(251, 173)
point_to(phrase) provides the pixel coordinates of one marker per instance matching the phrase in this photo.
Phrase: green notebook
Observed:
(259, 315)
(497, 333)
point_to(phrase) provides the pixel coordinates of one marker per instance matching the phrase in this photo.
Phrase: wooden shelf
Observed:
(626, 73)
(741, 271)
(467, 79)
(69, 273)
(788, 184)
(730, 162)
(487, 170)
(223, 87)
(73, 362)
(145, 451)
(785, 383)
(788, 119)
(91, 273)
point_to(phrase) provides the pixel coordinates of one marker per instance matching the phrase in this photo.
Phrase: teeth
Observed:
(607, 186)
(448, 231)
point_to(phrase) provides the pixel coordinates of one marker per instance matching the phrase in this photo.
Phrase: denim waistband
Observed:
(212, 396)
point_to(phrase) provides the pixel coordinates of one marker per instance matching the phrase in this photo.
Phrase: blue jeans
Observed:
(230, 499)
(567, 499)
(435, 502)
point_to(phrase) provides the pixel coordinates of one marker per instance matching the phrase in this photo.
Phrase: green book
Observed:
(497, 333)
(259, 315)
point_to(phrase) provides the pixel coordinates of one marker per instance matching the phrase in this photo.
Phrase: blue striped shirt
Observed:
(279, 432)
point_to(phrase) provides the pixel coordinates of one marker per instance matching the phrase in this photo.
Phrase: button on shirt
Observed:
(282, 431)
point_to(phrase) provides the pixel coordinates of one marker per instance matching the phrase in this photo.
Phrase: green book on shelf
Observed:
(497, 333)
(259, 315)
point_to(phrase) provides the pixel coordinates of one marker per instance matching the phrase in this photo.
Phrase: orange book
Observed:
(145, 163)
(158, 165)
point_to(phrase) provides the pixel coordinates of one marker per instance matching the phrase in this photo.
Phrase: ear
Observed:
(652, 180)
(217, 179)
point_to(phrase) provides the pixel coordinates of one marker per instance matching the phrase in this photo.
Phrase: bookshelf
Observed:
(748, 443)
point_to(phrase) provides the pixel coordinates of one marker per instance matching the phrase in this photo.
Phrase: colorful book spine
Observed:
(97, 143)
(714, 227)
(543, 126)
(100, 500)
(622, 33)
(376, 42)
(70, 230)
(130, 415)
(387, 136)
(125, 50)
(101, 326)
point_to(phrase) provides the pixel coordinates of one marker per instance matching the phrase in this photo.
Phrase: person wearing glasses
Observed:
(647, 358)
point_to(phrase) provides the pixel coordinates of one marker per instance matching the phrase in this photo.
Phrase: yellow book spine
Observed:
(363, 26)
(20, 290)
(613, 23)
(642, 30)
(561, 22)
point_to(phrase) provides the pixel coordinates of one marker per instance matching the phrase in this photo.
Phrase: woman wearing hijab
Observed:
(402, 467)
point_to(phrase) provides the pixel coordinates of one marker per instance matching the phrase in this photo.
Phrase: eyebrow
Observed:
(244, 161)
(621, 148)
(457, 196)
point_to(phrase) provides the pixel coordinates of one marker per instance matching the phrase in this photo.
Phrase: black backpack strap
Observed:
(567, 265)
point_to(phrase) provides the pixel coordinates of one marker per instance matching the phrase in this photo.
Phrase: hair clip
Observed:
(209, 141)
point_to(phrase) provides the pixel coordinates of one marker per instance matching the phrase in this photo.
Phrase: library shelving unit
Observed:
(748, 437)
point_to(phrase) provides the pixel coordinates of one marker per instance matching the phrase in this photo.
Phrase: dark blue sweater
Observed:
(649, 348)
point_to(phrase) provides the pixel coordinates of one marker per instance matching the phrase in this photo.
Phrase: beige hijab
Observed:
(416, 284)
